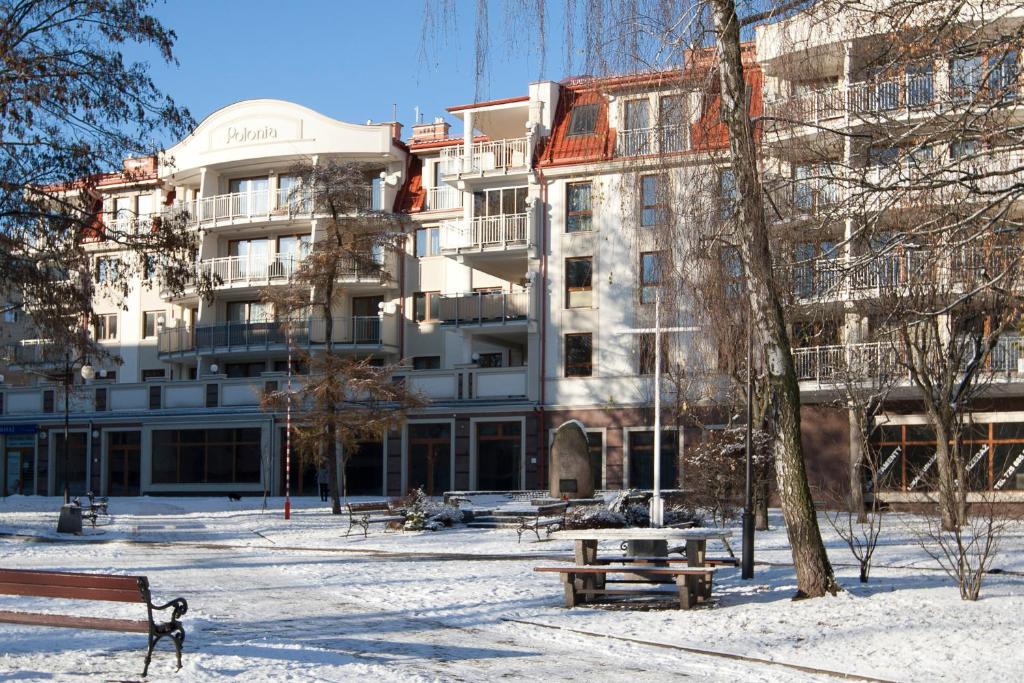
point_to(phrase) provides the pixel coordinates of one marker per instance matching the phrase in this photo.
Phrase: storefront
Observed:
(19, 464)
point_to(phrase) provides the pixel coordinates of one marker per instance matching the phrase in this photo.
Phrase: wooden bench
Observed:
(77, 586)
(548, 517)
(584, 582)
(365, 514)
(708, 561)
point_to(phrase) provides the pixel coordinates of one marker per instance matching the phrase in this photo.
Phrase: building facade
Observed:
(531, 260)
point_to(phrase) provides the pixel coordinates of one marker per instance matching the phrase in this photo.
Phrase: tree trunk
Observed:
(856, 472)
(331, 406)
(950, 483)
(813, 570)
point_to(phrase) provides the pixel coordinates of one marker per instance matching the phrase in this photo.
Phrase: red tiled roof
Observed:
(562, 148)
(413, 194)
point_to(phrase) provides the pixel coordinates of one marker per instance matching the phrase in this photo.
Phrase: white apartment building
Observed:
(531, 252)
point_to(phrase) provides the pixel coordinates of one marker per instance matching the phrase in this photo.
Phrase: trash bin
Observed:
(70, 521)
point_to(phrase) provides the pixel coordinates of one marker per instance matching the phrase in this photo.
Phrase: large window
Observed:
(579, 352)
(426, 306)
(499, 202)
(583, 119)
(578, 212)
(106, 326)
(650, 276)
(637, 114)
(1002, 75)
(252, 195)
(641, 459)
(107, 269)
(498, 455)
(206, 456)
(993, 455)
(428, 242)
(578, 282)
(965, 76)
(248, 312)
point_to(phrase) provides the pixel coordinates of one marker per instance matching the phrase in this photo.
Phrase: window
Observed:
(10, 314)
(106, 326)
(883, 156)
(595, 444)
(579, 350)
(1002, 75)
(426, 362)
(636, 114)
(583, 120)
(145, 204)
(244, 369)
(653, 209)
(672, 120)
(499, 202)
(248, 312)
(252, 195)
(727, 193)
(650, 276)
(428, 242)
(426, 306)
(645, 353)
(206, 456)
(963, 150)
(153, 374)
(152, 321)
(107, 269)
(641, 459)
(490, 360)
(965, 77)
(578, 279)
(578, 213)
(920, 84)
(149, 268)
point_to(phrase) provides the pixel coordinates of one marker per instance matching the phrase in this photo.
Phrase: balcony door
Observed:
(249, 196)
(124, 451)
(365, 319)
(250, 258)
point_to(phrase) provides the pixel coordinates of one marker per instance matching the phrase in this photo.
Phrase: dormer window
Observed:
(583, 119)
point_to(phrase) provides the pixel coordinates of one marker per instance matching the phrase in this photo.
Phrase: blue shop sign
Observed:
(18, 429)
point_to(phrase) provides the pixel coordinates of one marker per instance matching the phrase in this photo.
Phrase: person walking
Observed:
(322, 479)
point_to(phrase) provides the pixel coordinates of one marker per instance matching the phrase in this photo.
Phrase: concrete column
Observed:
(467, 141)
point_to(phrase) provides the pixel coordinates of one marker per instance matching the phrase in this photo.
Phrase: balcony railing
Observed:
(478, 308)
(130, 225)
(248, 270)
(489, 232)
(262, 205)
(850, 362)
(444, 197)
(226, 337)
(467, 384)
(498, 155)
(657, 140)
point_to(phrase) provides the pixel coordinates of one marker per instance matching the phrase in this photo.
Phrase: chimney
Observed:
(396, 130)
(429, 132)
(140, 167)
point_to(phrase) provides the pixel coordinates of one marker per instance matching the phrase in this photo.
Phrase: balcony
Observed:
(484, 308)
(361, 333)
(498, 157)
(231, 272)
(259, 206)
(468, 384)
(130, 225)
(649, 141)
(443, 198)
(497, 245)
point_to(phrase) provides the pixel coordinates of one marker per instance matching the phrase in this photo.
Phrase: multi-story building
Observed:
(532, 254)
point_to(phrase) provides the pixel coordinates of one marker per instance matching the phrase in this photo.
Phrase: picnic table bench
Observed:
(588, 577)
(81, 586)
(693, 584)
(549, 517)
(365, 514)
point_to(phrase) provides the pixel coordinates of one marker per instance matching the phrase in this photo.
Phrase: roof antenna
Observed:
(418, 117)
(394, 111)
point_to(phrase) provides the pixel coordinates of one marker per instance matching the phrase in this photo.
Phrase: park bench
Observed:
(365, 514)
(584, 582)
(708, 561)
(714, 560)
(548, 517)
(97, 506)
(111, 588)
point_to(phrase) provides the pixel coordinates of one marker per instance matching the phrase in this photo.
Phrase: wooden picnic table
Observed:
(587, 579)
(695, 538)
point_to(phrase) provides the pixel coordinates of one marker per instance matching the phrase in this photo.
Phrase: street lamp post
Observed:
(747, 571)
(87, 374)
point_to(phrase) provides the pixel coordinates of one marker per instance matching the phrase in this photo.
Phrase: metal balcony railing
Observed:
(849, 362)
(489, 232)
(262, 204)
(227, 337)
(444, 197)
(656, 140)
(248, 270)
(477, 308)
(497, 155)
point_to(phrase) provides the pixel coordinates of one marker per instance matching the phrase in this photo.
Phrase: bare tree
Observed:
(341, 400)
(71, 110)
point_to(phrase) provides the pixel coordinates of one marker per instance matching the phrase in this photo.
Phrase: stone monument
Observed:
(569, 474)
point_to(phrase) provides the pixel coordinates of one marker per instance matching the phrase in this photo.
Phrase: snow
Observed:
(278, 600)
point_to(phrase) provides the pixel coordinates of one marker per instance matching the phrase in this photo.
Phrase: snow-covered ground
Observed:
(275, 600)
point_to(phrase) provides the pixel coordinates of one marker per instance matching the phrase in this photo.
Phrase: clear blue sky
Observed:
(349, 59)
